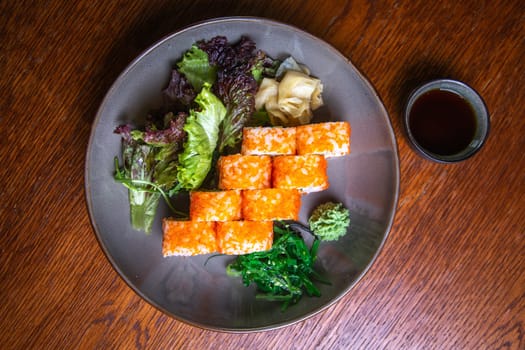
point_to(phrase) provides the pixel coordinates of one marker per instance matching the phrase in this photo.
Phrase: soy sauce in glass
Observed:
(442, 122)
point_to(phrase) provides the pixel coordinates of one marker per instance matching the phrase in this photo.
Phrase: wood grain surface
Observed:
(452, 272)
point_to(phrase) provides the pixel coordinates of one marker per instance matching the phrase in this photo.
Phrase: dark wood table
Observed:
(452, 272)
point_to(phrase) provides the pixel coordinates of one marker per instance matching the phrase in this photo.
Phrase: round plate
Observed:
(197, 291)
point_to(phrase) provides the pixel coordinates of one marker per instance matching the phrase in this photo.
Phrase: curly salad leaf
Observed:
(179, 94)
(197, 68)
(149, 158)
(202, 128)
(209, 99)
(239, 67)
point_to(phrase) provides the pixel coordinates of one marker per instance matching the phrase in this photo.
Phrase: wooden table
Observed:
(452, 272)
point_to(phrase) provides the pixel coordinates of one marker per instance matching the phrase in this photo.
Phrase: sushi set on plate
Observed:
(347, 154)
(262, 184)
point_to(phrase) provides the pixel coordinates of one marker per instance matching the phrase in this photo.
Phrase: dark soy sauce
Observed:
(442, 122)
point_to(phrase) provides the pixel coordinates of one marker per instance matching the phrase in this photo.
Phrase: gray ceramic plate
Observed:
(366, 182)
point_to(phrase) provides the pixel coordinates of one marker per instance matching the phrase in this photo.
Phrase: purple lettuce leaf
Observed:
(179, 94)
(236, 85)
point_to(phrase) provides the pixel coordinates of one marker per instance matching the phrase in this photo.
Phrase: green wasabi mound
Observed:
(329, 221)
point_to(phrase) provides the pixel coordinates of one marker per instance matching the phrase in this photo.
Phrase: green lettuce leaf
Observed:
(149, 168)
(202, 129)
(197, 69)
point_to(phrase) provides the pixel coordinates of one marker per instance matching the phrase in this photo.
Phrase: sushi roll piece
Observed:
(271, 204)
(306, 173)
(243, 237)
(244, 172)
(331, 139)
(268, 141)
(188, 238)
(215, 205)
